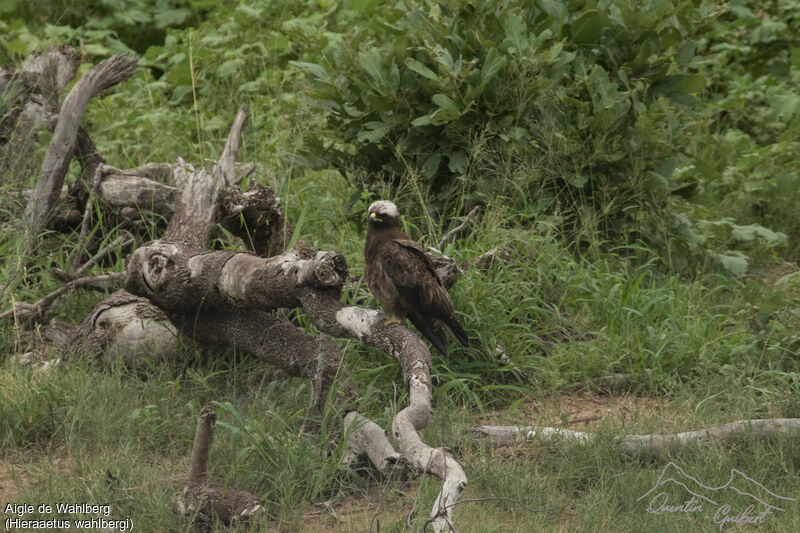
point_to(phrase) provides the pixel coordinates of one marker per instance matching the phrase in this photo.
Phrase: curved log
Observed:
(369, 326)
(655, 444)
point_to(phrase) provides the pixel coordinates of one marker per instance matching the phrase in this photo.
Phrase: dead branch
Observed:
(203, 500)
(31, 95)
(198, 469)
(487, 259)
(195, 214)
(656, 444)
(97, 177)
(24, 312)
(367, 325)
(222, 298)
(451, 235)
(62, 146)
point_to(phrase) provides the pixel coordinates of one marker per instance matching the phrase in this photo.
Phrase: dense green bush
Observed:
(565, 104)
(99, 28)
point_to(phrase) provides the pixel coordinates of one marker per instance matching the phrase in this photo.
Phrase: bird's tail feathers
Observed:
(434, 334)
(457, 331)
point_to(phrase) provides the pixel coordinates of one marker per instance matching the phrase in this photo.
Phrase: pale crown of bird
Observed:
(384, 207)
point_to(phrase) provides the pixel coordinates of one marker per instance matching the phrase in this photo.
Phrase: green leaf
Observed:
(229, 67)
(375, 131)
(732, 261)
(170, 17)
(588, 27)
(457, 162)
(694, 83)
(750, 232)
(444, 115)
(493, 63)
(318, 71)
(444, 101)
(577, 180)
(431, 165)
(8, 6)
(422, 121)
(372, 63)
(422, 70)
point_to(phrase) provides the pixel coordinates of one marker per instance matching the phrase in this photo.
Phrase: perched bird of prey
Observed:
(402, 278)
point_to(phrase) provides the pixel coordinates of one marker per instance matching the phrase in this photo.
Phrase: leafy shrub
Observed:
(569, 103)
(100, 28)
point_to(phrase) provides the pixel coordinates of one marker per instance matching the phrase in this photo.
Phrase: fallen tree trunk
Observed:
(656, 444)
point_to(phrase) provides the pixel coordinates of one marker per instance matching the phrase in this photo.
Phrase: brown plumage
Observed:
(402, 278)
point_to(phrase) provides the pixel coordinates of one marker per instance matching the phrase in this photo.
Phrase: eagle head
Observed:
(383, 214)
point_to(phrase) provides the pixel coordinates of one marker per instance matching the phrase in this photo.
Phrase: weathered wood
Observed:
(256, 217)
(453, 234)
(197, 209)
(203, 501)
(126, 328)
(198, 468)
(25, 311)
(31, 95)
(655, 444)
(62, 145)
(369, 326)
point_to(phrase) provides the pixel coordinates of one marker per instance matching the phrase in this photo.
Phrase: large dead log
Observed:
(217, 297)
(62, 145)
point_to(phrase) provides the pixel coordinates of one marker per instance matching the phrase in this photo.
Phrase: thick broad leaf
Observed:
(554, 8)
(372, 64)
(732, 261)
(692, 84)
(318, 71)
(431, 165)
(170, 17)
(8, 6)
(516, 33)
(668, 166)
(457, 162)
(422, 70)
(422, 121)
(786, 183)
(750, 232)
(444, 115)
(444, 101)
(443, 57)
(493, 63)
(588, 27)
(375, 131)
(229, 67)
(655, 182)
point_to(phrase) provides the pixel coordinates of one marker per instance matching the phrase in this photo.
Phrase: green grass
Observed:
(701, 346)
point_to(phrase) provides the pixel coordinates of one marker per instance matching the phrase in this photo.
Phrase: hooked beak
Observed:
(373, 216)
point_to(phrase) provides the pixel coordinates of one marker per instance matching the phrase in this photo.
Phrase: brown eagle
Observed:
(401, 276)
